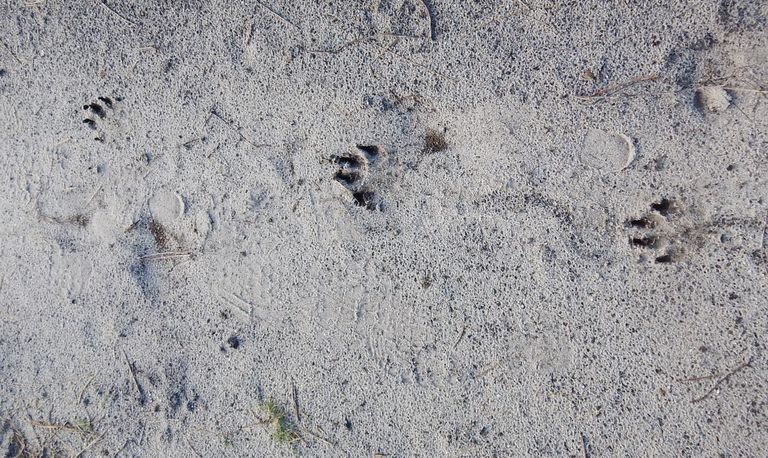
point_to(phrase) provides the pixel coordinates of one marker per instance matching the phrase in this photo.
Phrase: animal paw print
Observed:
(96, 112)
(656, 232)
(353, 172)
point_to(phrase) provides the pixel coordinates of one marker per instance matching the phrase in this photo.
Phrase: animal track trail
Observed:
(657, 232)
(97, 113)
(354, 172)
(672, 230)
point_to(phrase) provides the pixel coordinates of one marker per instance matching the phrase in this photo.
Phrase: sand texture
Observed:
(383, 228)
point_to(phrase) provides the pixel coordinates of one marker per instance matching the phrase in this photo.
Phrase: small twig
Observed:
(616, 88)
(165, 255)
(235, 130)
(119, 451)
(139, 388)
(432, 18)
(125, 444)
(104, 3)
(312, 433)
(178, 264)
(132, 226)
(44, 425)
(91, 444)
(82, 392)
(189, 444)
(61, 427)
(93, 196)
(584, 445)
(400, 35)
(745, 89)
(19, 440)
(66, 445)
(744, 113)
(7, 48)
(461, 336)
(296, 403)
(721, 380)
(280, 16)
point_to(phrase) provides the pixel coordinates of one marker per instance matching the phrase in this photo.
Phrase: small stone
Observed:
(712, 99)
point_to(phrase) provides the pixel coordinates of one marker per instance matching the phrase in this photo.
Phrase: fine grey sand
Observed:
(383, 228)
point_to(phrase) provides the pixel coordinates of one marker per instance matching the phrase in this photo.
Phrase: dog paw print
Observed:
(353, 172)
(655, 232)
(97, 112)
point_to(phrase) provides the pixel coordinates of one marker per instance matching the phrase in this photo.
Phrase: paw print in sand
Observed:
(656, 232)
(353, 172)
(97, 112)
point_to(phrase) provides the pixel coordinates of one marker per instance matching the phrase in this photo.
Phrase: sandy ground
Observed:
(383, 228)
